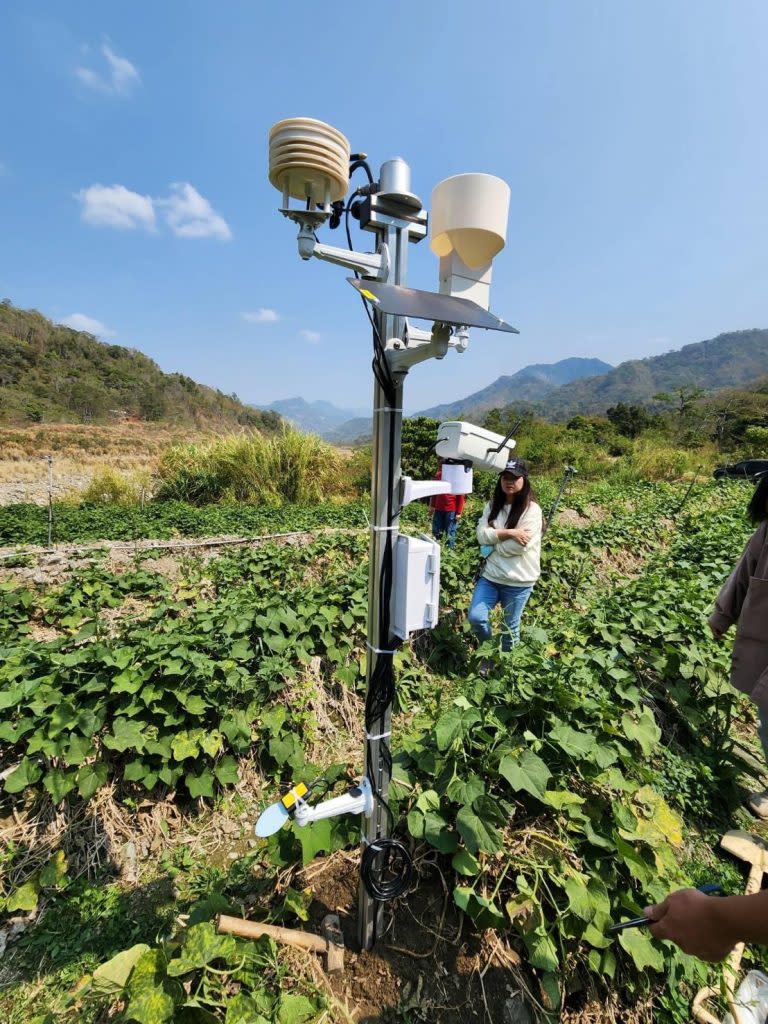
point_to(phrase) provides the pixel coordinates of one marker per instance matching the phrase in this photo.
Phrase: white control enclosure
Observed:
(416, 590)
(466, 442)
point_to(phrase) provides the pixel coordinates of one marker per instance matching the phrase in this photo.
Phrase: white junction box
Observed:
(416, 591)
(465, 441)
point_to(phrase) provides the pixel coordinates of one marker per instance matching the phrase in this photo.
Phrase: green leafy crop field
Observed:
(592, 771)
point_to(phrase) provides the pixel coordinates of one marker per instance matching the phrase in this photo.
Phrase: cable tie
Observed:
(378, 736)
(386, 408)
(378, 650)
(382, 529)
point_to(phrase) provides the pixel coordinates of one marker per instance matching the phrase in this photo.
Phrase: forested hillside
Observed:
(734, 359)
(52, 373)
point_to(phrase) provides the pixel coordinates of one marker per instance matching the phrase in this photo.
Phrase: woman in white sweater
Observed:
(511, 527)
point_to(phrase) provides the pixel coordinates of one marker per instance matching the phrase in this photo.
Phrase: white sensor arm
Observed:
(412, 490)
(369, 264)
(359, 800)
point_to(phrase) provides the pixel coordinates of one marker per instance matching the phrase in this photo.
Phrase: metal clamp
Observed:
(378, 650)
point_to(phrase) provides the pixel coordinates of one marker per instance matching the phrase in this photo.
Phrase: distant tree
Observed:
(501, 421)
(630, 420)
(87, 399)
(152, 405)
(494, 420)
(418, 447)
(683, 397)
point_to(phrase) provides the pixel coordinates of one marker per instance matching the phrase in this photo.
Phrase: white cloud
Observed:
(81, 322)
(190, 215)
(261, 316)
(119, 78)
(117, 207)
(312, 336)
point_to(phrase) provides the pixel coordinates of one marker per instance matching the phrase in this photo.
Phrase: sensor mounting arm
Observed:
(373, 265)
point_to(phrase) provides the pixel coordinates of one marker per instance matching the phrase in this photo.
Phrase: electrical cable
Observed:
(358, 160)
(387, 864)
(379, 365)
(392, 877)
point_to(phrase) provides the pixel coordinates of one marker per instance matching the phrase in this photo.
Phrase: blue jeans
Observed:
(444, 523)
(485, 598)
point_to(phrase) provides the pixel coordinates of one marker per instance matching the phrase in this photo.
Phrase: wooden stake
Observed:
(332, 946)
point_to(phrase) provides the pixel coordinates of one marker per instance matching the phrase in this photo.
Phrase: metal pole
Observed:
(385, 518)
(687, 495)
(569, 472)
(49, 460)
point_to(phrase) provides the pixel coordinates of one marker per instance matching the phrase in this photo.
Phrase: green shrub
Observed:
(111, 487)
(654, 461)
(755, 444)
(358, 471)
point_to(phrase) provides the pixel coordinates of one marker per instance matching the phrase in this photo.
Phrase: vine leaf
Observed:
(527, 772)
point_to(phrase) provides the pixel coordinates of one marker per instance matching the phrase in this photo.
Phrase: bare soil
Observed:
(570, 517)
(427, 967)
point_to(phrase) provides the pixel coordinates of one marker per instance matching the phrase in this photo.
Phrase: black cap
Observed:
(517, 467)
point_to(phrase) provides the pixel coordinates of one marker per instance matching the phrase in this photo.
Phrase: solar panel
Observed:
(421, 305)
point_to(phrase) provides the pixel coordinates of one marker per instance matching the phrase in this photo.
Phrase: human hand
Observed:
(693, 921)
(716, 633)
(522, 535)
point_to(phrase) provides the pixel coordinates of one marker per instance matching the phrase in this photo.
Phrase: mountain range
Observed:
(319, 417)
(590, 386)
(734, 359)
(53, 373)
(531, 384)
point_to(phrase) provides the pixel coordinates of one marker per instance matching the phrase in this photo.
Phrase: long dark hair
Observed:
(757, 509)
(520, 502)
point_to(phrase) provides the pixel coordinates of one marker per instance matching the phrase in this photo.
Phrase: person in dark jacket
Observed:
(446, 509)
(743, 601)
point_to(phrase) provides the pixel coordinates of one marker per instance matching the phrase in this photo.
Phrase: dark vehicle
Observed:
(746, 470)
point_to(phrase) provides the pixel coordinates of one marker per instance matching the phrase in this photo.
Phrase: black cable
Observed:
(391, 877)
(387, 864)
(358, 160)
(379, 365)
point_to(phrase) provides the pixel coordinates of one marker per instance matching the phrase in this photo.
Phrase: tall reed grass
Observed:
(285, 467)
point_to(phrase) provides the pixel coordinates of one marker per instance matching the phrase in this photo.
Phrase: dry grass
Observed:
(80, 454)
(134, 453)
(26, 479)
(96, 441)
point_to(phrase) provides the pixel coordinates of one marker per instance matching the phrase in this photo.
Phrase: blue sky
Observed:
(133, 187)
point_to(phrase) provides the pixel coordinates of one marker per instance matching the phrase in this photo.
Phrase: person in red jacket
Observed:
(446, 509)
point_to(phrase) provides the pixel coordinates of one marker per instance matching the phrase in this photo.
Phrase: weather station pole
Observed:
(311, 161)
(380, 213)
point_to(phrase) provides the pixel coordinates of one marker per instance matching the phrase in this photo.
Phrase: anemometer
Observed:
(310, 164)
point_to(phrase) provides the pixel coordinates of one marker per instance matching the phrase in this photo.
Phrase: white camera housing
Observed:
(464, 442)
